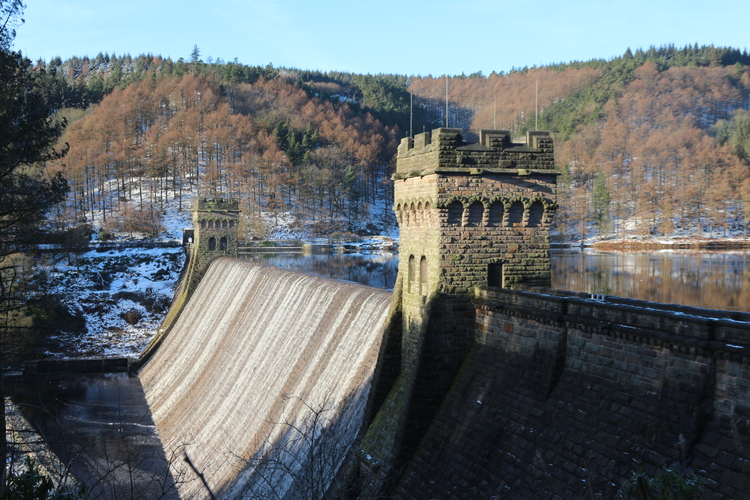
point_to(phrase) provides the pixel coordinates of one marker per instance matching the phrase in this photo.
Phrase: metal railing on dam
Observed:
(264, 360)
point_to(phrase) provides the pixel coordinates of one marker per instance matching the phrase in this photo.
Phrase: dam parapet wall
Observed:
(563, 395)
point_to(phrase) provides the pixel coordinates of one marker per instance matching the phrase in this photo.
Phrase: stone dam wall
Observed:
(565, 397)
(257, 353)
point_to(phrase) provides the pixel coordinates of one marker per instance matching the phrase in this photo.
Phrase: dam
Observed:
(264, 359)
(471, 380)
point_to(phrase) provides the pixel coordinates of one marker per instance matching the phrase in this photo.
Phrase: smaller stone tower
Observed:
(216, 231)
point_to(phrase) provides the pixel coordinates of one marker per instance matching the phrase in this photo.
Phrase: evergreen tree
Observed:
(28, 136)
(600, 201)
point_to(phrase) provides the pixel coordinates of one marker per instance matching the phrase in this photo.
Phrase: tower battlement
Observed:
(444, 149)
(216, 205)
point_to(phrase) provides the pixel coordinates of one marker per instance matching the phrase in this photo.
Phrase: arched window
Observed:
(210, 224)
(224, 224)
(536, 211)
(231, 223)
(412, 274)
(212, 243)
(203, 224)
(497, 210)
(476, 211)
(423, 276)
(455, 213)
(515, 217)
(495, 275)
(223, 243)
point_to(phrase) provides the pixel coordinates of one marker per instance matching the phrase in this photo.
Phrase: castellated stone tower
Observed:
(474, 214)
(216, 229)
(471, 214)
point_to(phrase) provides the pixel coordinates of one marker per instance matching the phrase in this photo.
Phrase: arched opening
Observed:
(231, 223)
(495, 275)
(412, 274)
(536, 212)
(476, 211)
(212, 243)
(223, 244)
(224, 224)
(515, 217)
(423, 276)
(455, 213)
(497, 210)
(203, 224)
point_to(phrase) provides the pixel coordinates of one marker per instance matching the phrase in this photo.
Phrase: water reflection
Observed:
(378, 270)
(716, 280)
(100, 426)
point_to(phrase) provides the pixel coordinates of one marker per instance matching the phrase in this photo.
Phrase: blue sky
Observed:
(388, 36)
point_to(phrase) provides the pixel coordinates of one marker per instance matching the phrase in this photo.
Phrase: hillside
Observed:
(271, 142)
(651, 143)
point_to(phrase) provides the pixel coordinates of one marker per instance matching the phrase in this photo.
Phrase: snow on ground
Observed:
(123, 296)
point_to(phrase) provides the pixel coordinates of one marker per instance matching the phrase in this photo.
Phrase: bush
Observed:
(132, 317)
(33, 485)
(50, 315)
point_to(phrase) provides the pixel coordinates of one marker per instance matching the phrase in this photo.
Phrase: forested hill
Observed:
(653, 142)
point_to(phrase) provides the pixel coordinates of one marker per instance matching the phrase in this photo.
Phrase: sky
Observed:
(388, 36)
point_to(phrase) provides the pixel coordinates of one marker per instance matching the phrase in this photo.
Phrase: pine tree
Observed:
(600, 201)
(27, 139)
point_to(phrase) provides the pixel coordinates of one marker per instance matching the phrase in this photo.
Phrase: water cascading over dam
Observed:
(264, 366)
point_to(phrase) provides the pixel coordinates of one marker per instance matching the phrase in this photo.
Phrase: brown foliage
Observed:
(666, 174)
(155, 138)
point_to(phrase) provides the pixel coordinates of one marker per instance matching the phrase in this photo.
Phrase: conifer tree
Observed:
(600, 201)
(27, 139)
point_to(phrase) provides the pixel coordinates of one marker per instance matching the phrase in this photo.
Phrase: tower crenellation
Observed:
(443, 149)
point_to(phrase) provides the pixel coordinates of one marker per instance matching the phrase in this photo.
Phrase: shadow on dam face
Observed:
(100, 427)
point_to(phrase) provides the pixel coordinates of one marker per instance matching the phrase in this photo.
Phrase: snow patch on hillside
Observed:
(123, 296)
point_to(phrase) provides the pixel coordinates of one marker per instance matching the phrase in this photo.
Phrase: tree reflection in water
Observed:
(715, 279)
(378, 270)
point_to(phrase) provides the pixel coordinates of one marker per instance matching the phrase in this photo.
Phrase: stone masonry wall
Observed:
(563, 397)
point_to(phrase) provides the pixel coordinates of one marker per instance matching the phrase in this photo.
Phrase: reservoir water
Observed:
(711, 279)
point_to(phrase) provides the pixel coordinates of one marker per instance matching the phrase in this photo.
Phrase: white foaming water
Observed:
(254, 355)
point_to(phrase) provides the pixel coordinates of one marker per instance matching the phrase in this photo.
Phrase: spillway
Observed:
(265, 370)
